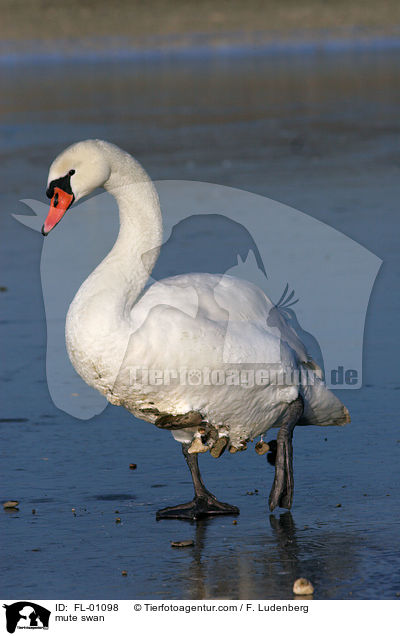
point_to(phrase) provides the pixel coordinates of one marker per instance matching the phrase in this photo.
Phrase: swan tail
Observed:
(313, 366)
(322, 407)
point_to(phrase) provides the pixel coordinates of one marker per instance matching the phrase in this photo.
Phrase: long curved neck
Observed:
(129, 264)
(98, 321)
(124, 271)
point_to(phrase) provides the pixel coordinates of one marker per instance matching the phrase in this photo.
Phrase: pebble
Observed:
(219, 447)
(124, 573)
(118, 520)
(133, 466)
(261, 448)
(181, 544)
(10, 504)
(197, 446)
(303, 587)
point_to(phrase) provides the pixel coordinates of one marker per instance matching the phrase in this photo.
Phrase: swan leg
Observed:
(203, 504)
(282, 489)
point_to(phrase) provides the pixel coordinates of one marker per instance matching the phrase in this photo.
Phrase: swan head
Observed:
(75, 173)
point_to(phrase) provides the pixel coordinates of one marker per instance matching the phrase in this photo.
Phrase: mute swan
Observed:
(188, 322)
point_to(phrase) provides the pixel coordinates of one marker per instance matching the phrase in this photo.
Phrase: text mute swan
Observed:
(182, 322)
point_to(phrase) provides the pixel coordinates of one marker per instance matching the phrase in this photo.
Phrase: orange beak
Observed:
(60, 203)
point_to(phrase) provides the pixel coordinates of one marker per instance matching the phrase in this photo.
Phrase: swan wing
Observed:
(211, 320)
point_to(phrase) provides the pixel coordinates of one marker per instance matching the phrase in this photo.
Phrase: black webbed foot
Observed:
(198, 508)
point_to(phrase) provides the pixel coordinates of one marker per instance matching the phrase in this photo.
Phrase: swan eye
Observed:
(71, 172)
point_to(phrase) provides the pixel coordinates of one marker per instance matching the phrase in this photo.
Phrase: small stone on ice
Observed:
(124, 573)
(181, 544)
(303, 587)
(10, 504)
